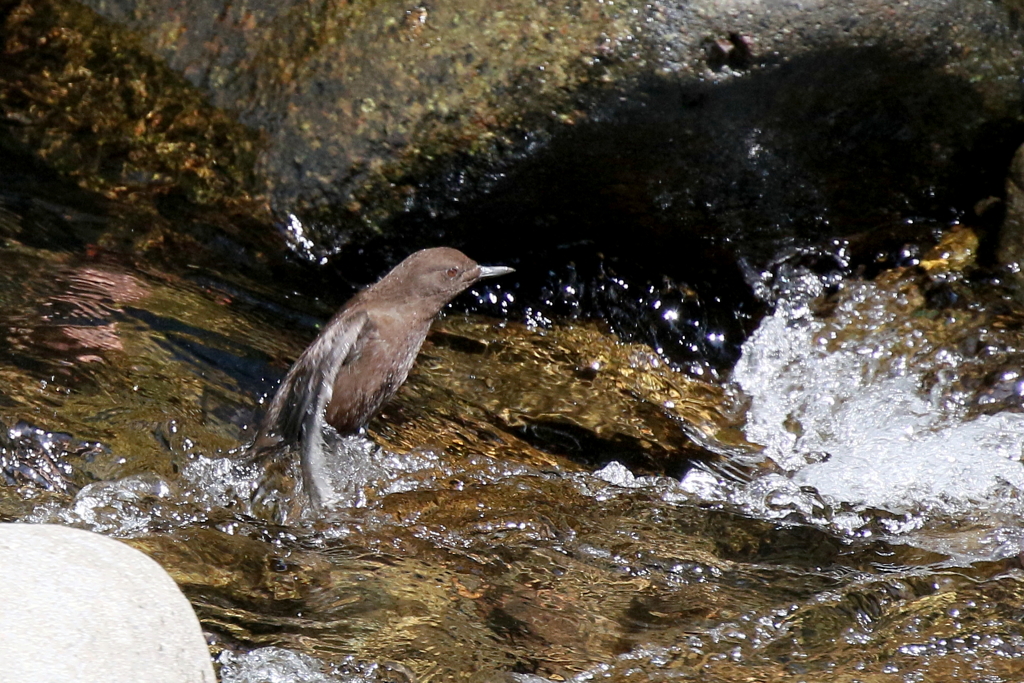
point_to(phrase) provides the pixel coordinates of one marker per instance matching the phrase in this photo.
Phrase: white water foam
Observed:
(847, 415)
(279, 665)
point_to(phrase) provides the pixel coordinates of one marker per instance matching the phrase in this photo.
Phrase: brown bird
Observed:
(363, 355)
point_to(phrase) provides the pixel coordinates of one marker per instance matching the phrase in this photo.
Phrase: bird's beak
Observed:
(494, 271)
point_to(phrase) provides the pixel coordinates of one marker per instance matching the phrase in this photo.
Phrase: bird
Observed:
(362, 356)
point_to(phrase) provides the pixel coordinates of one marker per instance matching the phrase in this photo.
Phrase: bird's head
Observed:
(437, 275)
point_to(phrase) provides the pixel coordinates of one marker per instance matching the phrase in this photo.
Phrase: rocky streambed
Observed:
(749, 409)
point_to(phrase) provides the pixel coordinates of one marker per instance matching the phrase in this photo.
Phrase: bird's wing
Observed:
(296, 411)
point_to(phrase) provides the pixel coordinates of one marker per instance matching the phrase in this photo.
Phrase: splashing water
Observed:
(846, 413)
(278, 665)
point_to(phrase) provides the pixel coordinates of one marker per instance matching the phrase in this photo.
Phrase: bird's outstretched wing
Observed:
(296, 412)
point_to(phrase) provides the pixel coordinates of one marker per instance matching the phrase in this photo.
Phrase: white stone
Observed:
(78, 606)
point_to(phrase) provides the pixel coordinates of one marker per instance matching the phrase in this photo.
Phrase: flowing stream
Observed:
(548, 502)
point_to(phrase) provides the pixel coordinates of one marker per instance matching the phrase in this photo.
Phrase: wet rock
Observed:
(359, 99)
(1011, 237)
(372, 111)
(82, 98)
(89, 608)
(636, 147)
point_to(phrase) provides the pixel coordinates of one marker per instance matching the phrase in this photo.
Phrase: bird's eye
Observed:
(452, 272)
